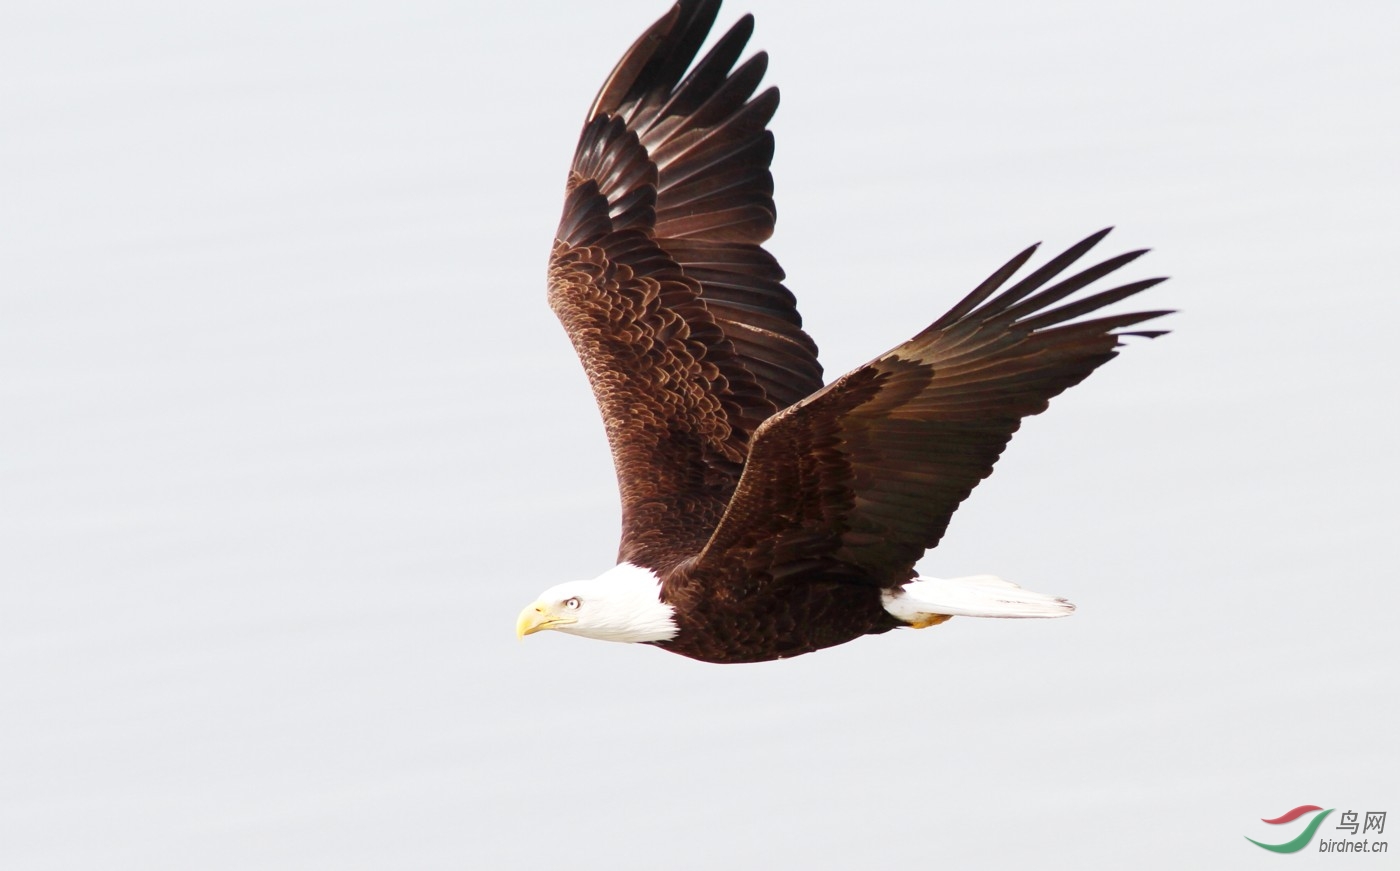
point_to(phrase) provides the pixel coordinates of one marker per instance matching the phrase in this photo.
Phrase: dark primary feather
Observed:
(685, 330)
(857, 481)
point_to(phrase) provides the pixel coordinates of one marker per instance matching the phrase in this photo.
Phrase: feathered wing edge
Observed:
(857, 481)
(706, 196)
(687, 334)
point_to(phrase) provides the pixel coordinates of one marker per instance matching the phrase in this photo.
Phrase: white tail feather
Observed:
(973, 596)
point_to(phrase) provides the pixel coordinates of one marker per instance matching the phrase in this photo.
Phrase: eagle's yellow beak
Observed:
(537, 618)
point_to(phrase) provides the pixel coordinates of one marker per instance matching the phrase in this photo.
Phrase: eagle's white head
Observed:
(622, 604)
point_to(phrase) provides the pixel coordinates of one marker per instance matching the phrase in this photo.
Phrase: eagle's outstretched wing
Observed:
(857, 481)
(687, 334)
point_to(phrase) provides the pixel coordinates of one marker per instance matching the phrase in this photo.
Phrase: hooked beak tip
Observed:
(533, 619)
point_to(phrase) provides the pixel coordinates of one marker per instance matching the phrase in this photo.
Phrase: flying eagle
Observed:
(765, 515)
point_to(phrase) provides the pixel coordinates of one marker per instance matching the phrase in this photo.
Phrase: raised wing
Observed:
(687, 334)
(856, 482)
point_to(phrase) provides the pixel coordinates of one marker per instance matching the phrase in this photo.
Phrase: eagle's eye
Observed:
(571, 603)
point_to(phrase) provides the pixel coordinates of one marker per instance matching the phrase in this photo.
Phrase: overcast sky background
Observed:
(288, 436)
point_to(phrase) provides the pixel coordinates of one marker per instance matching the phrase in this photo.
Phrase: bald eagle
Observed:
(765, 515)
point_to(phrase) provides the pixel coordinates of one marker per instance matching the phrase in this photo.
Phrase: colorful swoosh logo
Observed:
(1303, 839)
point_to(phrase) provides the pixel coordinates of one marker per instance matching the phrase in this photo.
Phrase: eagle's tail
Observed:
(929, 601)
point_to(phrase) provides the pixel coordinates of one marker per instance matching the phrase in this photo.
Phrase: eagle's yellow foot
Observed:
(927, 620)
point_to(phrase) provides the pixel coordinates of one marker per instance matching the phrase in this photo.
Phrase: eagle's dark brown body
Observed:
(777, 511)
(765, 620)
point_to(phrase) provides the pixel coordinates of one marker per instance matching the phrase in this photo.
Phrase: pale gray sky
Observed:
(289, 436)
